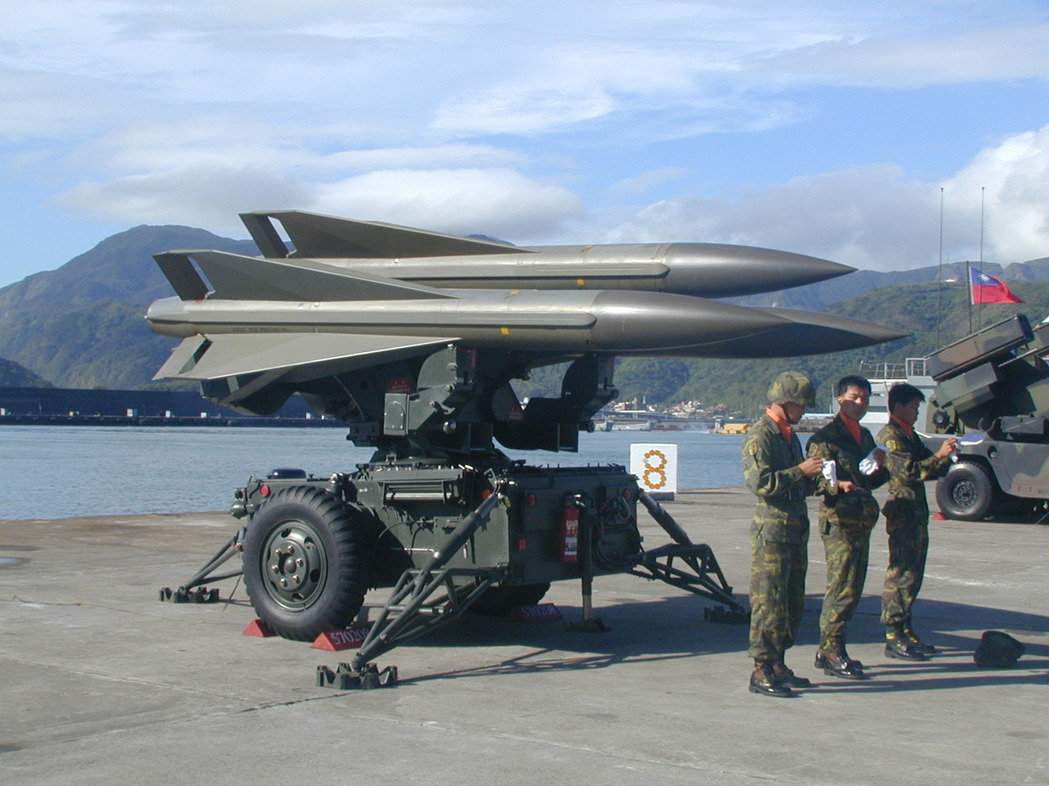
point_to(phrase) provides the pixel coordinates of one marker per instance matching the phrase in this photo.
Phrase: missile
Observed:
(356, 313)
(251, 322)
(433, 259)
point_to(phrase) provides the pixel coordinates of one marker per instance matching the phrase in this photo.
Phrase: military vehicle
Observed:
(413, 339)
(993, 384)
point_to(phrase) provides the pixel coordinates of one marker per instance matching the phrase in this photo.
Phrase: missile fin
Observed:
(183, 277)
(319, 236)
(296, 356)
(238, 277)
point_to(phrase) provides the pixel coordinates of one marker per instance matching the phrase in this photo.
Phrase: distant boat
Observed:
(631, 425)
(883, 376)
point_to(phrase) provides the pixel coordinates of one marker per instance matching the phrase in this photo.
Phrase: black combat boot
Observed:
(763, 682)
(916, 643)
(838, 664)
(784, 676)
(898, 646)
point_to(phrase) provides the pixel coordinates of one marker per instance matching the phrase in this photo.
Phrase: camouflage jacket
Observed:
(770, 469)
(856, 512)
(910, 464)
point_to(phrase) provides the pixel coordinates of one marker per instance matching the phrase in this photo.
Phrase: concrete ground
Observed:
(102, 683)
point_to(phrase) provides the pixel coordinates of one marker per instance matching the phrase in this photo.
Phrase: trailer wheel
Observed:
(306, 562)
(966, 492)
(499, 600)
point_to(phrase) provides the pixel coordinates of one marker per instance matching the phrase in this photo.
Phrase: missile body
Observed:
(700, 269)
(529, 320)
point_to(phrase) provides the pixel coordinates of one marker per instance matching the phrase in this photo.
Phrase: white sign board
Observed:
(656, 468)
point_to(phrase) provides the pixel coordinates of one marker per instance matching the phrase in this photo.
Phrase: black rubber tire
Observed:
(320, 548)
(966, 492)
(499, 600)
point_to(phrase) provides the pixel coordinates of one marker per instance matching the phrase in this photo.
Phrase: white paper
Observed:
(972, 438)
(830, 472)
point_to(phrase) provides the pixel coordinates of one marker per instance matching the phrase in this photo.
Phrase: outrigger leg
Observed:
(408, 615)
(700, 572)
(194, 591)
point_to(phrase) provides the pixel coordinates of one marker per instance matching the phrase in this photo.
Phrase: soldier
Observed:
(848, 512)
(910, 464)
(777, 472)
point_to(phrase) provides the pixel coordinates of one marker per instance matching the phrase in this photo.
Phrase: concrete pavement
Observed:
(101, 682)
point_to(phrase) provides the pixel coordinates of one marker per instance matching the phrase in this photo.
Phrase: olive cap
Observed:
(790, 387)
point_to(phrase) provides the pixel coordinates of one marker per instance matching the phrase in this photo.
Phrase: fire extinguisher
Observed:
(570, 533)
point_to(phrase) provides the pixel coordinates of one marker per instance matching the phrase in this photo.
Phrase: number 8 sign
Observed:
(656, 468)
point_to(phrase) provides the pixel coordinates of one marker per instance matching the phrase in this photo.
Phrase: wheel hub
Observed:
(295, 565)
(964, 494)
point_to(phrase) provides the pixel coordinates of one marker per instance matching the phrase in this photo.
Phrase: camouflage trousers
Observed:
(846, 573)
(777, 596)
(908, 548)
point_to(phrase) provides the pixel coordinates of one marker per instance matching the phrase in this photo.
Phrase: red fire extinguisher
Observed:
(570, 534)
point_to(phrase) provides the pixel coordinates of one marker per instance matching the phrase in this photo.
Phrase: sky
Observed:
(885, 136)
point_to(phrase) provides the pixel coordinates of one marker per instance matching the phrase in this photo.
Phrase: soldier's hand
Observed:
(846, 486)
(947, 448)
(811, 466)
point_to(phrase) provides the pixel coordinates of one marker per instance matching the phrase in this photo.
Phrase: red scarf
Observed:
(853, 427)
(784, 427)
(909, 430)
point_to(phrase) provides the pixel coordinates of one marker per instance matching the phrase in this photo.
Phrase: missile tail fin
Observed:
(305, 354)
(319, 236)
(193, 274)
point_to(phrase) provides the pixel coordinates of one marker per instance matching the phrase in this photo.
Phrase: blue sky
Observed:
(826, 128)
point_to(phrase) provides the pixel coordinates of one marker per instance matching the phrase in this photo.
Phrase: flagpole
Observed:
(979, 312)
(969, 284)
(939, 278)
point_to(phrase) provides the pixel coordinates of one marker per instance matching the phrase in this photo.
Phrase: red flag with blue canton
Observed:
(988, 289)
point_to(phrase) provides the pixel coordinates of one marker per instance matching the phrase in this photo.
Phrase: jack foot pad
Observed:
(728, 616)
(183, 595)
(345, 678)
(592, 625)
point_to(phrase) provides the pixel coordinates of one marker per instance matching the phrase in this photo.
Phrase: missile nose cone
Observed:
(631, 321)
(719, 270)
(802, 333)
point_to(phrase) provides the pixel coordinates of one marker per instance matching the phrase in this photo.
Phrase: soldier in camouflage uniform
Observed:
(910, 464)
(777, 472)
(848, 512)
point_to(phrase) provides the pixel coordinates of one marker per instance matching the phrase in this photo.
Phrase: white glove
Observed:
(869, 466)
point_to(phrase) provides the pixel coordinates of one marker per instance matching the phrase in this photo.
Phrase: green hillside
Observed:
(82, 325)
(13, 375)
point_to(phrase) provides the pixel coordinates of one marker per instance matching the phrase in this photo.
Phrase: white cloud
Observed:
(1013, 179)
(208, 197)
(876, 217)
(508, 118)
(498, 202)
(493, 201)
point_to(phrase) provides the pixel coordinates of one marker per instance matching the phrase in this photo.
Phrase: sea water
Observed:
(49, 472)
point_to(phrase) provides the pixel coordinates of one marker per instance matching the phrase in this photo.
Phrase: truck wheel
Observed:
(499, 600)
(965, 492)
(306, 562)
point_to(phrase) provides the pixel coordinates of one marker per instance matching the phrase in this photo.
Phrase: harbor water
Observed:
(49, 472)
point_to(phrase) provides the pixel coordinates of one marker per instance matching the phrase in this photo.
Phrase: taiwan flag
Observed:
(988, 289)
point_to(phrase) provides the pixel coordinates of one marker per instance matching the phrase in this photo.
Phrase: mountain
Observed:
(82, 325)
(13, 375)
(816, 297)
